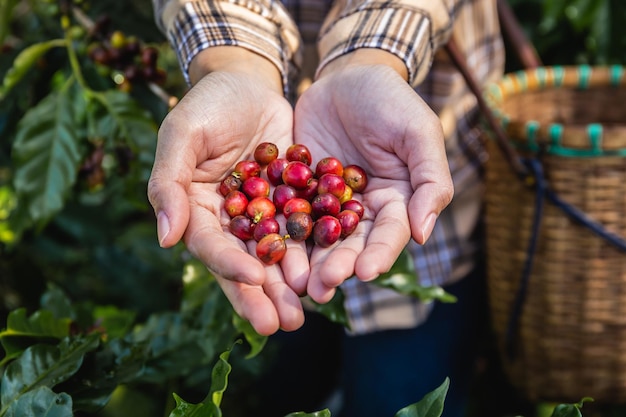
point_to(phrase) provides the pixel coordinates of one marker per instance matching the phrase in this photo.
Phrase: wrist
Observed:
(235, 59)
(366, 57)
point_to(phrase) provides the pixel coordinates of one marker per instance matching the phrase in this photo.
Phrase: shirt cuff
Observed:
(411, 33)
(194, 26)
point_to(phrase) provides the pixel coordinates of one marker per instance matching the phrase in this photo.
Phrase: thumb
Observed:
(167, 189)
(171, 207)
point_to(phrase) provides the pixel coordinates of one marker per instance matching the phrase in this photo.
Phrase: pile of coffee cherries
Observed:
(318, 202)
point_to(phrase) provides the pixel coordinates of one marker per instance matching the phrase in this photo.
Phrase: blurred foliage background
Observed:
(92, 235)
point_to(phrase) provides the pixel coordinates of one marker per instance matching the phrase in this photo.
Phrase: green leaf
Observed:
(114, 321)
(120, 117)
(570, 410)
(185, 409)
(41, 402)
(431, 405)
(402, 278)
(23, 331)
(209, 407)
(321, 413)
(257, 342)
(24, 61)
(46, 154)
(219, 378)
(43, 365)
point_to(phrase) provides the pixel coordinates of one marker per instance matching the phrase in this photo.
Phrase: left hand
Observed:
(363, 112)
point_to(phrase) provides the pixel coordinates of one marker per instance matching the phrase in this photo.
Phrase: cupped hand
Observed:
(370, 116)
(219, 122)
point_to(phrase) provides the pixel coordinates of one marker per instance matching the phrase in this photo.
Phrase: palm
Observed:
(365, 118)
(203, 138)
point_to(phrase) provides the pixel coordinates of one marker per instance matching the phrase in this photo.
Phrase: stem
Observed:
(71, 52)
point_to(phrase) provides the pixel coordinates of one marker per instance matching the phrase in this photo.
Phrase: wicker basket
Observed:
(559, 307)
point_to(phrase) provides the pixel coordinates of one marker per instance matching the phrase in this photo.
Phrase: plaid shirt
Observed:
(301, 36)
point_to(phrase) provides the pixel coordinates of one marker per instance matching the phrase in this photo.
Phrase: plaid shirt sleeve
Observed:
(262, 26)
(410, 29)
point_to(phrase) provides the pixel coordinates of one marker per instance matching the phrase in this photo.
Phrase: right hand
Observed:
(220, 121)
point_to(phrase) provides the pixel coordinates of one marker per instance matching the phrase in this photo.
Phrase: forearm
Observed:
(366, 56)
(235, 59)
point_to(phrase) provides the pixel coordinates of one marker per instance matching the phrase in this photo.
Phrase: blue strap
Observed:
(542, 191)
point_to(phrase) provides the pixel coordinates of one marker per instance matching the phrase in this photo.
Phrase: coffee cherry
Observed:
(246, 169)
(274, 171)
(265, 227)
(296, 205)
(326, 231)
(325, 204)
(297, 174)
(149, 56)
(348, 220)
(282, 194)
(329, 165)
(265, 153)
(255, 187)
(229, 184)
(355, 177)
(318, 205)
(235, 203)
(347, 195)
(242, 227)
(271, 249)
(310, 191)
(299, 226)
(331, 183)
(260, 208)
(298, 152)
(355, 206)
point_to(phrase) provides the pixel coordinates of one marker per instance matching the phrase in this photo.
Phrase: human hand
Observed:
(225, 115)
(367, 114)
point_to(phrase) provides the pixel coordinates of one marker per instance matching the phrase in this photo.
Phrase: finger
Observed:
(168, 184)
(226, 254)
(331, 267)
(286, 302)
(252, 304)
(295, 266)
(389, 235)
(424, 208)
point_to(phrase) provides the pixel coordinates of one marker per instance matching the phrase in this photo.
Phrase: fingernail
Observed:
(163, 227)
(429, 225)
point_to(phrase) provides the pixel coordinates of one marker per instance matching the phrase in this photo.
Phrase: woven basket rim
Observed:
(597, 139)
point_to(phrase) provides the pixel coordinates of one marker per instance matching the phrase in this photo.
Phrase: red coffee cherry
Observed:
(274, 171)
(282, 194)
(271, 249)
(296, 205)
(326, 231)
(255, 187)
(235, 203)
(325, 204)
(299, 152)
(329, 165)
(265, 227)
(297, 174)
(310, 191)
(355, 177)
(265, 153)
(260, 208)
(246, 169)
(299, 226)
(331, 183)
(348, 220)
(242, 227)
(354, 205)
